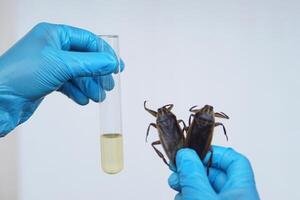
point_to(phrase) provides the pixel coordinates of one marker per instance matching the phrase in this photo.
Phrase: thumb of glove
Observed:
(83, 64)
(192, 176)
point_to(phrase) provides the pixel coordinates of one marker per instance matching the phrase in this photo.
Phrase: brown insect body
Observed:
(170, 133)
(200, 130)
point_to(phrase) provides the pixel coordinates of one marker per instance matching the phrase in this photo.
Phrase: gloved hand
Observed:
(230, 178)
(53, 57)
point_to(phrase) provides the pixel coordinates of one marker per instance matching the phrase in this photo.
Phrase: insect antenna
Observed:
(152, 112)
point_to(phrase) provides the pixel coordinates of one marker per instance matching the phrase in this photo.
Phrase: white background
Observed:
(242, 57)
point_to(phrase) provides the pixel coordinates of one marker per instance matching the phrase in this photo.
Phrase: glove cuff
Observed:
(14, 110)
(8, 111)
(7, 123)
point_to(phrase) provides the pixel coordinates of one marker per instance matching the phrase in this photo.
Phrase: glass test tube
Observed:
(111, 138)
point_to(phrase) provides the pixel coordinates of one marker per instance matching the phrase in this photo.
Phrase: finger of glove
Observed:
(178, 196)
(101, 91)
(216, 177)
(105, 47)
(240, 194)
(235, 165)
(173, 181)
(73, 93)
(122, 65)
(88, 86)
(191, 172)
(78, 64)
(107, 82)
(77, 39)
(102, 94)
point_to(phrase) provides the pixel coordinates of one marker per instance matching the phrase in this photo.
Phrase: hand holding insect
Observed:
(199, 133)
(231, 176)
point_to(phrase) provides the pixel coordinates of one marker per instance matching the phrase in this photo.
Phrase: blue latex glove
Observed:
(230, 178)
(53, 57)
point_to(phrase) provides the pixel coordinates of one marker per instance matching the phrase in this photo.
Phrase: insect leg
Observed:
(148, 129)
(185, 128)
(209, 163)
(158, 152)
(221, 115)
(169, 107)
(181, 121)
(220, 124)
(225, 115)
(190, 119)
(152, 112)
(193, 110)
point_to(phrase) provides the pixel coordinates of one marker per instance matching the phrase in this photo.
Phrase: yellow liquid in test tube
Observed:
(112, 153)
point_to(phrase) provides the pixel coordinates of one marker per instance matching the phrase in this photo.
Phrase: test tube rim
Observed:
(108, 36)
